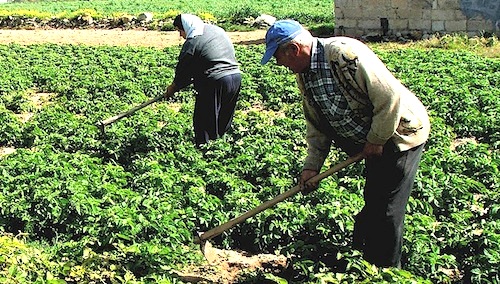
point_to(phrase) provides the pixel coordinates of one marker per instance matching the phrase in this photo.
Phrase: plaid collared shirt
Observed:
(325, 94)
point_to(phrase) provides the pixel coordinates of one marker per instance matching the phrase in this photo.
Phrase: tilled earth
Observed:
(115, 37)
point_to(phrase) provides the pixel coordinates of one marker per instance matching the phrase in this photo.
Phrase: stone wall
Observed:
(416, 17)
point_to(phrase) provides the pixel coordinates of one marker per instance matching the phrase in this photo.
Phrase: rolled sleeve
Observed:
(317, 149)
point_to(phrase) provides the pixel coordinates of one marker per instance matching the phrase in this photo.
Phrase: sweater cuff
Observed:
(374, 139)
(311, 165)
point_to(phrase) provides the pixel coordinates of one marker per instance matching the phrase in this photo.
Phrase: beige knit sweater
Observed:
(363, 78)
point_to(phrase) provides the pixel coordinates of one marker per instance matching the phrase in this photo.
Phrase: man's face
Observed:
(288, 56)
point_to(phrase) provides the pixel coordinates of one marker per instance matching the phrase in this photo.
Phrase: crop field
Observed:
(227, 13)
(81, 206)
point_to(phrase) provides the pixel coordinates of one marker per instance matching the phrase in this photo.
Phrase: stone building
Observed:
(416, 17)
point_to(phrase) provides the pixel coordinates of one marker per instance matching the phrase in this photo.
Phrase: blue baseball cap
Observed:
(280, 32)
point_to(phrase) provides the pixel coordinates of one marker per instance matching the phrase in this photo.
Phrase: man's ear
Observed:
(294, 48)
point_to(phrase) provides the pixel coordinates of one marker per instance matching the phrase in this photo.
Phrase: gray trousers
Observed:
(378, 228)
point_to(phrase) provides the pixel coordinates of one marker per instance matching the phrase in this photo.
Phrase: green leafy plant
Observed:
(123, 206)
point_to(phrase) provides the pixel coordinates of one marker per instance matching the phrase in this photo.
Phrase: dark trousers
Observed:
(214, 108)
(378, 228)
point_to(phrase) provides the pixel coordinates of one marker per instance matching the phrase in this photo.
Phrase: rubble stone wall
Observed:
(416, 17)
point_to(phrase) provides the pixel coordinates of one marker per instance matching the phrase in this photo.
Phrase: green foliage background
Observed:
(135, 197)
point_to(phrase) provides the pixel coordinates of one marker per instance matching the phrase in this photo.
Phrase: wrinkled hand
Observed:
(308, 187)
(170, 91)
(372, 150)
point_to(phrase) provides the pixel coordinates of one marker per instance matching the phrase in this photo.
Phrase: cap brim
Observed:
(269, 53)
(271, 49)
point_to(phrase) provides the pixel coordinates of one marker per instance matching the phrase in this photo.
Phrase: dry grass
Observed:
(483, 46)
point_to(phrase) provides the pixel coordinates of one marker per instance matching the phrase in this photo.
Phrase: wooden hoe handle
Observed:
(231, 223)
(128, 112)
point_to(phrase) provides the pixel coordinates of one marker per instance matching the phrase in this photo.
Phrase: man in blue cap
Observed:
(352, 100)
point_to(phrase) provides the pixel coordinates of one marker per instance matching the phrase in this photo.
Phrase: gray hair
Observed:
(303, 39)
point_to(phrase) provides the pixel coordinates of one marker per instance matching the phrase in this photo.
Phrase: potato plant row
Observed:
(124, 206)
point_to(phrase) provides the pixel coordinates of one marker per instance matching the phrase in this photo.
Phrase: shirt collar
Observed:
(315, 51)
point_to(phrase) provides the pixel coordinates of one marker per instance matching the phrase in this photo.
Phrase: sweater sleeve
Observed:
(318, 147)
(183, 70)
(384, 92)
(318, 144)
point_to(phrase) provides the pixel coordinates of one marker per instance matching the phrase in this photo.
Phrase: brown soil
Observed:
(229, 267)
(116, 37)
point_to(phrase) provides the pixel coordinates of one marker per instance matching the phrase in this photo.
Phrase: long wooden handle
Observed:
(129, 112)
(231, 223)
